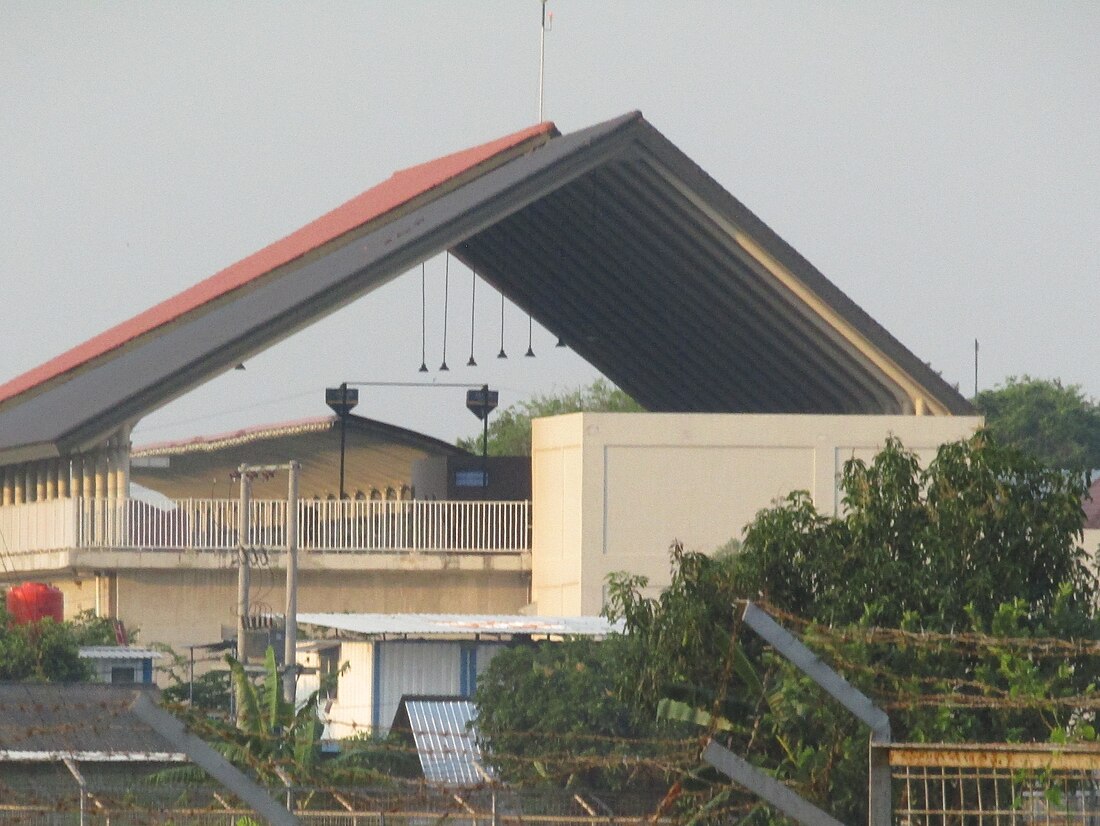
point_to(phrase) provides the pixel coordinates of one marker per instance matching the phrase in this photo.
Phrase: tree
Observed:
(43, 651)
(547, 715)
(1058, 424)
(510, 429)
(941, 592)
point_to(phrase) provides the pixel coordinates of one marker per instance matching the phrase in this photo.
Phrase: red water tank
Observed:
(33, 601)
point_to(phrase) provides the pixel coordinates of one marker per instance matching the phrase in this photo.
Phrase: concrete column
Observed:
(80, 476)
(120, 459)
(40, 472)
(64, 471)
(100, 459)
(19, 485)
(112, 464)
(7, 492)
(51, 478)
(124, 471)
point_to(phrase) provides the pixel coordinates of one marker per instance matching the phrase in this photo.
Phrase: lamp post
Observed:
(481, 403)
(342, 400)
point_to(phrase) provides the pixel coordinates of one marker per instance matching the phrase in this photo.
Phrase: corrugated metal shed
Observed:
(446, 745)
(464, 625)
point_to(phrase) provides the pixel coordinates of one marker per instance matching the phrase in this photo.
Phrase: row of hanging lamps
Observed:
(472, 361)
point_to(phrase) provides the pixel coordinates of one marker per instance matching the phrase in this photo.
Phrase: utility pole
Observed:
(290, 634)
(243, 573)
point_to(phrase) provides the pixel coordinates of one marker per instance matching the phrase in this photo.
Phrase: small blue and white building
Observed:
(121, 664)
(390, 656)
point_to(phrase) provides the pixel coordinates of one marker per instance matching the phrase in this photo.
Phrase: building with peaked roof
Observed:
(610, 237)
(379, 459)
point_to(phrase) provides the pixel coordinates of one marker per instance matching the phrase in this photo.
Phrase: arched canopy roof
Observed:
(609, 236)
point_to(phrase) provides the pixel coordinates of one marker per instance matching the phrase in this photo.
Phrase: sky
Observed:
(938, 161)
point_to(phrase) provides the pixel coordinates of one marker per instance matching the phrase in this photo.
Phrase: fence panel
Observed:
(995, 784)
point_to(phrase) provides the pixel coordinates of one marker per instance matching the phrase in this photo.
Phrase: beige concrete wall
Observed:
(612, 491)
(189, 606)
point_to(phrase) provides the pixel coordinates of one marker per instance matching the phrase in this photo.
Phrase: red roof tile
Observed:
(398, 189)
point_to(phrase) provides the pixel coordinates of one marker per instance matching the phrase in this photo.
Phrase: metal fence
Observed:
(197, 805)
(349, 526)
(995, 784)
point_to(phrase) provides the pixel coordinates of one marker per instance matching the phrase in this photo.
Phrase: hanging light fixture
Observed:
(446, 290)
(423, 318)
(502, 354)
(530, 331)
(473, 306)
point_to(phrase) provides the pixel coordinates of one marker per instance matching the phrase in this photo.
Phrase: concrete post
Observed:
(51, 478)
(7, 493)
(88, 465)
(242, 565)
(19, 485)
(290, 618)
(123, 469)
(41, 471)
(64, 471)
(100, 474)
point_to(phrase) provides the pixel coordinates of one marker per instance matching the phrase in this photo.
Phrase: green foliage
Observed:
(270, 738)
(88, 629)
(546, 713)
(210, 693)
(926, 593)
(43, 651)
(510, 429)
(1057, 424)
(982, 525)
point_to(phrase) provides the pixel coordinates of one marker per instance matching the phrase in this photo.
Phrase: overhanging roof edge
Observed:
(698, 179)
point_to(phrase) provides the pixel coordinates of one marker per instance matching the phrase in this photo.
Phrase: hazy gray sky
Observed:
(939, 162)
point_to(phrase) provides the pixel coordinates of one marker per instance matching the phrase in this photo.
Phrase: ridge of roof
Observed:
(255, 433)
(400, 188)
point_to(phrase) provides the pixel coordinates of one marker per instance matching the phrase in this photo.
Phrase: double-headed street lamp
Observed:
(342, 400)
(481, 403)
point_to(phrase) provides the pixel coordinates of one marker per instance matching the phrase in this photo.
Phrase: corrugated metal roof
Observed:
(119, 652)
(450, 625)
(379, 455)
(89, 719)
(447, 748)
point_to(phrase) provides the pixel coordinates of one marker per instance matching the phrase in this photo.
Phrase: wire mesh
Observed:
(998, 786)
(45, 797)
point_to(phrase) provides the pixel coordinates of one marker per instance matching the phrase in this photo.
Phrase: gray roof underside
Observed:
(610, 237)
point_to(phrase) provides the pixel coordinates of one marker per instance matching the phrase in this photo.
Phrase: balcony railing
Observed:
(323, 526)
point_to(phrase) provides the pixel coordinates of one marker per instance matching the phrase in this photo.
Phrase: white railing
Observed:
(41, 526)
(212, 525)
